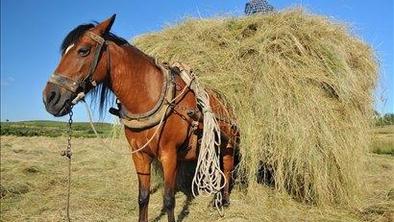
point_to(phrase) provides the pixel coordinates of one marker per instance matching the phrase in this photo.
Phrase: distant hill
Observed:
(53, 128)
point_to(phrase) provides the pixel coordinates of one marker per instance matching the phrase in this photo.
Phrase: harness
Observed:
(161, 109)
(166, 103)
(79, 87)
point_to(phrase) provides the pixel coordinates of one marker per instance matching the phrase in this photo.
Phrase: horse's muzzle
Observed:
(57, 100)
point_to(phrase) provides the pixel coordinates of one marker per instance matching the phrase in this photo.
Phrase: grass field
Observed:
(52, 129)
(104, 187)
(383, 140)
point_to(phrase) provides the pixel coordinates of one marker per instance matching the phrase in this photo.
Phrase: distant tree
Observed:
(386, 119)
(258, 6)
(389, 118)
(376, 114)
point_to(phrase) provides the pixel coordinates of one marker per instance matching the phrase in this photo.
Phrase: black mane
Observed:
(101, 94)
(75, 34)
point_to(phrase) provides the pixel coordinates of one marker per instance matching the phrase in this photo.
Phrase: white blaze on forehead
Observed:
(68, 48)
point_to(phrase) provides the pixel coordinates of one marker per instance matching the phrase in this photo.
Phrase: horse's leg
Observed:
(142, 163)
(169, 163)
(228, 166)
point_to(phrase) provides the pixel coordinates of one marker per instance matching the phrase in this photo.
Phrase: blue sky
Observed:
(32, 30)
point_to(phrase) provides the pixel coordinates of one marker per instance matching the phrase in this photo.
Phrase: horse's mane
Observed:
(100, 95)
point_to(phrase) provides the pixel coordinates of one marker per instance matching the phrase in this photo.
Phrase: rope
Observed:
(208, 176)
(97, 135)
(68, 153)
(68, 191)
(150, 139)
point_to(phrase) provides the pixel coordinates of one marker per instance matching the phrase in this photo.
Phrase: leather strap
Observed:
(64, 82)
(153, 116)
(72, 85)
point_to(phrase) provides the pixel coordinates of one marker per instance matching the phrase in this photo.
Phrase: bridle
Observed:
(79, 87)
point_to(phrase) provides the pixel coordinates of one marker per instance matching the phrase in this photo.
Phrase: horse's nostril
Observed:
(52, 96)
(57, 98)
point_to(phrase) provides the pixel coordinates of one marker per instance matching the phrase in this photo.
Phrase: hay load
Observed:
(301, 87)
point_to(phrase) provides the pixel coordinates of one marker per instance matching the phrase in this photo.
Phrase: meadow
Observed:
(105, 188)
(383, 140)
(52, 129)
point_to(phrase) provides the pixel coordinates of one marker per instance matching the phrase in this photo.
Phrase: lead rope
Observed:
(68, 153)
(170, 104)
(109, 147)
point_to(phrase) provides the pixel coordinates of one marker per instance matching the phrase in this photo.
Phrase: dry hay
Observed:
(301, 87)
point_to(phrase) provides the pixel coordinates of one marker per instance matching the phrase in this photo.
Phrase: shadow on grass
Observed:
(185, 209)
(182, 215)
(184, 181)
(160, 216)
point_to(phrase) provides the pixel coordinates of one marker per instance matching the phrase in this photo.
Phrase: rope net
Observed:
(208, 176)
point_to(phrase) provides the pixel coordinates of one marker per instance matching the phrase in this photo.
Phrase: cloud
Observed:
(6, 80)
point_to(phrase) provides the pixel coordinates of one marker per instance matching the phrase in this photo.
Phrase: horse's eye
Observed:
(84, 51)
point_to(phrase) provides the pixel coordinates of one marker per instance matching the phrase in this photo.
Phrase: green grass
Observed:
(383, 140)
(384, 148)
(53, 129)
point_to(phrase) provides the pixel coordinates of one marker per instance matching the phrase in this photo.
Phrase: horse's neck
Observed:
(136, 82)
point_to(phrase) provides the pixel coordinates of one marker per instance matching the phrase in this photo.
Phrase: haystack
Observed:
(302, 89)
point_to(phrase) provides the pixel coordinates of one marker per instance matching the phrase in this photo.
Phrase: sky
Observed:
(32, 31)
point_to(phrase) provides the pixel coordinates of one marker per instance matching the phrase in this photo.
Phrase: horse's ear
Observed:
(105, 26)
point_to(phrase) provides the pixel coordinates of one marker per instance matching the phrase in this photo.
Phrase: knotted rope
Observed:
(208, 176)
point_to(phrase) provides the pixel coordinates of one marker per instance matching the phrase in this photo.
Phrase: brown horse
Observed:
(95, 59)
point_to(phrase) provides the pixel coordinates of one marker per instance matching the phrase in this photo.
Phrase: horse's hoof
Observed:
(223, 203)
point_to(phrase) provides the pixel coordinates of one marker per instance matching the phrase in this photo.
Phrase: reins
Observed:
(68, 153)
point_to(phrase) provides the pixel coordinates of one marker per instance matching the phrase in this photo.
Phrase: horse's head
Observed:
(82, 66)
